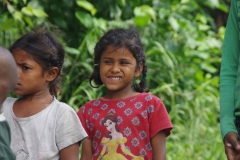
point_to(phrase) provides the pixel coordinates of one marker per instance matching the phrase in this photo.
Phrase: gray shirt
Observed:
(43, 135)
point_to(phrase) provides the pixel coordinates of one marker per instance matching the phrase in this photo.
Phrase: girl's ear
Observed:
(138, 70)
(51, 74)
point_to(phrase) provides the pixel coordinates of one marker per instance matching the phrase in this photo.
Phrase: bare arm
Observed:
(70, 153)
(86, 150)
(158, 143)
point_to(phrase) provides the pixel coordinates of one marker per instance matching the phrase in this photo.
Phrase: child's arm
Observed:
(86, 150)
(70, 153)
(158, 143)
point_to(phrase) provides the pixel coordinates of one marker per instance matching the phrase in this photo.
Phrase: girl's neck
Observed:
(43, 95)
(30, 105)
(120, 95)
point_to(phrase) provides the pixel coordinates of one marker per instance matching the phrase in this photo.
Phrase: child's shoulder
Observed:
(141, 96)
(10, 99)
(8, 102)
(60, 109)
(149, 97)
(62, 105)
(92, 102)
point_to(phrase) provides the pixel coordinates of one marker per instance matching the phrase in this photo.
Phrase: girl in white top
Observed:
(42, 127)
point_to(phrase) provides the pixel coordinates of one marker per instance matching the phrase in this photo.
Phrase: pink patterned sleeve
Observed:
(159, 119)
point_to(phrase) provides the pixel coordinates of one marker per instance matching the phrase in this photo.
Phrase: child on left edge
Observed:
(42, 127)
(8, 80)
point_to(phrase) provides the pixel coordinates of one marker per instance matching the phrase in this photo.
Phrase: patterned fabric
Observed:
(123, 128)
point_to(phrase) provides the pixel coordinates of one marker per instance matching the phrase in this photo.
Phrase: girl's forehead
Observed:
(23, 54)
(23, 57)
(117, 52)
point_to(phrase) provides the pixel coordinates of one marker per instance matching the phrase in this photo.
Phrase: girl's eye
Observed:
(25, 67)
(124, 62)
(107, 62)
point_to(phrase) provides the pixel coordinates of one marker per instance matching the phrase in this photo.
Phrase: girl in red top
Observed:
(128, 122)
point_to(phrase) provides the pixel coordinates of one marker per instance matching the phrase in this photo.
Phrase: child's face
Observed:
(117, 69)
(31, 78)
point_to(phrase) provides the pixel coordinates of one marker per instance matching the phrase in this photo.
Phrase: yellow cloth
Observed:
(112, 146)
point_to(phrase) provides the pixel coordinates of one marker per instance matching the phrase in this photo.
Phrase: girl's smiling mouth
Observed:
(115, 78)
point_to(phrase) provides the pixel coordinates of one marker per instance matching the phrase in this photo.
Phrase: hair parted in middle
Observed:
(118, 38)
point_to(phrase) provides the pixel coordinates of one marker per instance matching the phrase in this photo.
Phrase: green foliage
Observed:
(183, 49)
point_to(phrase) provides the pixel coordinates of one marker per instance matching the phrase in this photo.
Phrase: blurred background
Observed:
(182, 39)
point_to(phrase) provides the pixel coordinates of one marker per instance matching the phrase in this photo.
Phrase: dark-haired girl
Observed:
(42, 127)
(119, 61)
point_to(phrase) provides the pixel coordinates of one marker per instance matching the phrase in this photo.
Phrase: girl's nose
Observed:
(115, 68)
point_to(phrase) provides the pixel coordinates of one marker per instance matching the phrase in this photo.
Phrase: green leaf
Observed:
(223, 8)
(87, 5)
(173, 22)
(141, 21)
(27, 10)
(209, 68)
(171, 46)
(144, 11)
(8, 24)
(164, 12)
(71, 50)
(10, 8)
(60, 22)
(29, 21)
(213, 3)
(100, 23)
(39, 13)
(67, 62)
(17, 15)
(85, 18)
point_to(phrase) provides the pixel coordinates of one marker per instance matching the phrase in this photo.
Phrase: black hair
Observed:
(118, 38)
(46, 50)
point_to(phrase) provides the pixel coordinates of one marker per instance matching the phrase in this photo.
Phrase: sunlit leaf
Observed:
(144, 11)
(27, 10)
(209, 68)
(10, 8)
(100, 23)
(223, 8)
(84, 18)
(71, 50)
(17, 15)
(164, 12)
(87, 5)
(141, 21)
(173, 22)
(39, 13)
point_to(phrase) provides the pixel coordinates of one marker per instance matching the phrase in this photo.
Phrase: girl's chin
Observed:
(18, 93)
